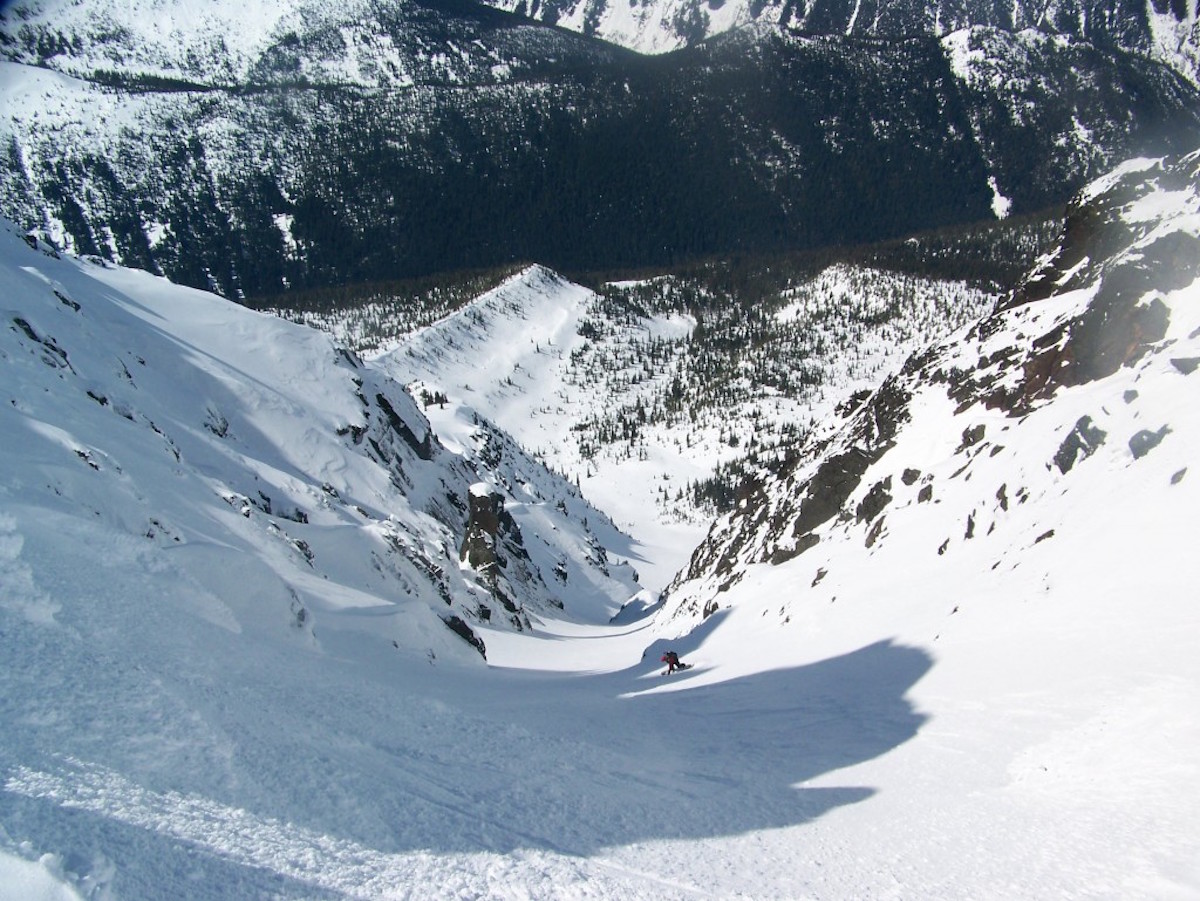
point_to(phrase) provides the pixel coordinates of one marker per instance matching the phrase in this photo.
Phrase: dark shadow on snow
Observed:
(640, 608)
(684, 646)
(624, 763)
(741, 751)
(455, 761)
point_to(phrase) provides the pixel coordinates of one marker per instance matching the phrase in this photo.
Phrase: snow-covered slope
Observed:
(979, 681)
(519, 356)
(217, 41)
(174, 431)
(620, 399)
(222, 43)
(1166, 31)
(1015, 507)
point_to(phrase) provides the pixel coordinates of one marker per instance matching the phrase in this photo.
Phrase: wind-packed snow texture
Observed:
(995, 694)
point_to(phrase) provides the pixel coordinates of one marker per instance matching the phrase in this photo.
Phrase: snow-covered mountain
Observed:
(1166, 31)
(634, 404)
(302, 145)
(226, 43)
(1017, 503)
(524, 356)
(1089, 357)
(951, 654)
(174, 432)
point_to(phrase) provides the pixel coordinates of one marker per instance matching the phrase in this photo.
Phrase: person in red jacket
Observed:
(671, 659)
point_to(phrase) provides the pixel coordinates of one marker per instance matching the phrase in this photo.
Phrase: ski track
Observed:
(306, 857)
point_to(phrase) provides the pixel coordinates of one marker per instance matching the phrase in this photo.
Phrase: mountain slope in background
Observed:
(361, 43)
(365, 143)
(1111, 306)
(530, 333)
(1163, 30)
(1017, 502)
(624, 395)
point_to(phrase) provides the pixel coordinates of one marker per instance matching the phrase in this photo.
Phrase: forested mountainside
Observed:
(372, 142)
(773, 343)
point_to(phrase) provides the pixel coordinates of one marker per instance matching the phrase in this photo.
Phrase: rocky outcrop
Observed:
(494, 548)
(483, 529)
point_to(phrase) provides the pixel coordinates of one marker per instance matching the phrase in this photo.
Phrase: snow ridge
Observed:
(168, 402)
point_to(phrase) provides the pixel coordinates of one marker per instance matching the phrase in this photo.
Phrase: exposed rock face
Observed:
(1081, 442)
(494, 548)
(458, 626)
(1124, 319)
(783, 530)
(483, 527)
(1099, 306)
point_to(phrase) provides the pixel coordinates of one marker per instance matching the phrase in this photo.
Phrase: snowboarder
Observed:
(671, 659)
